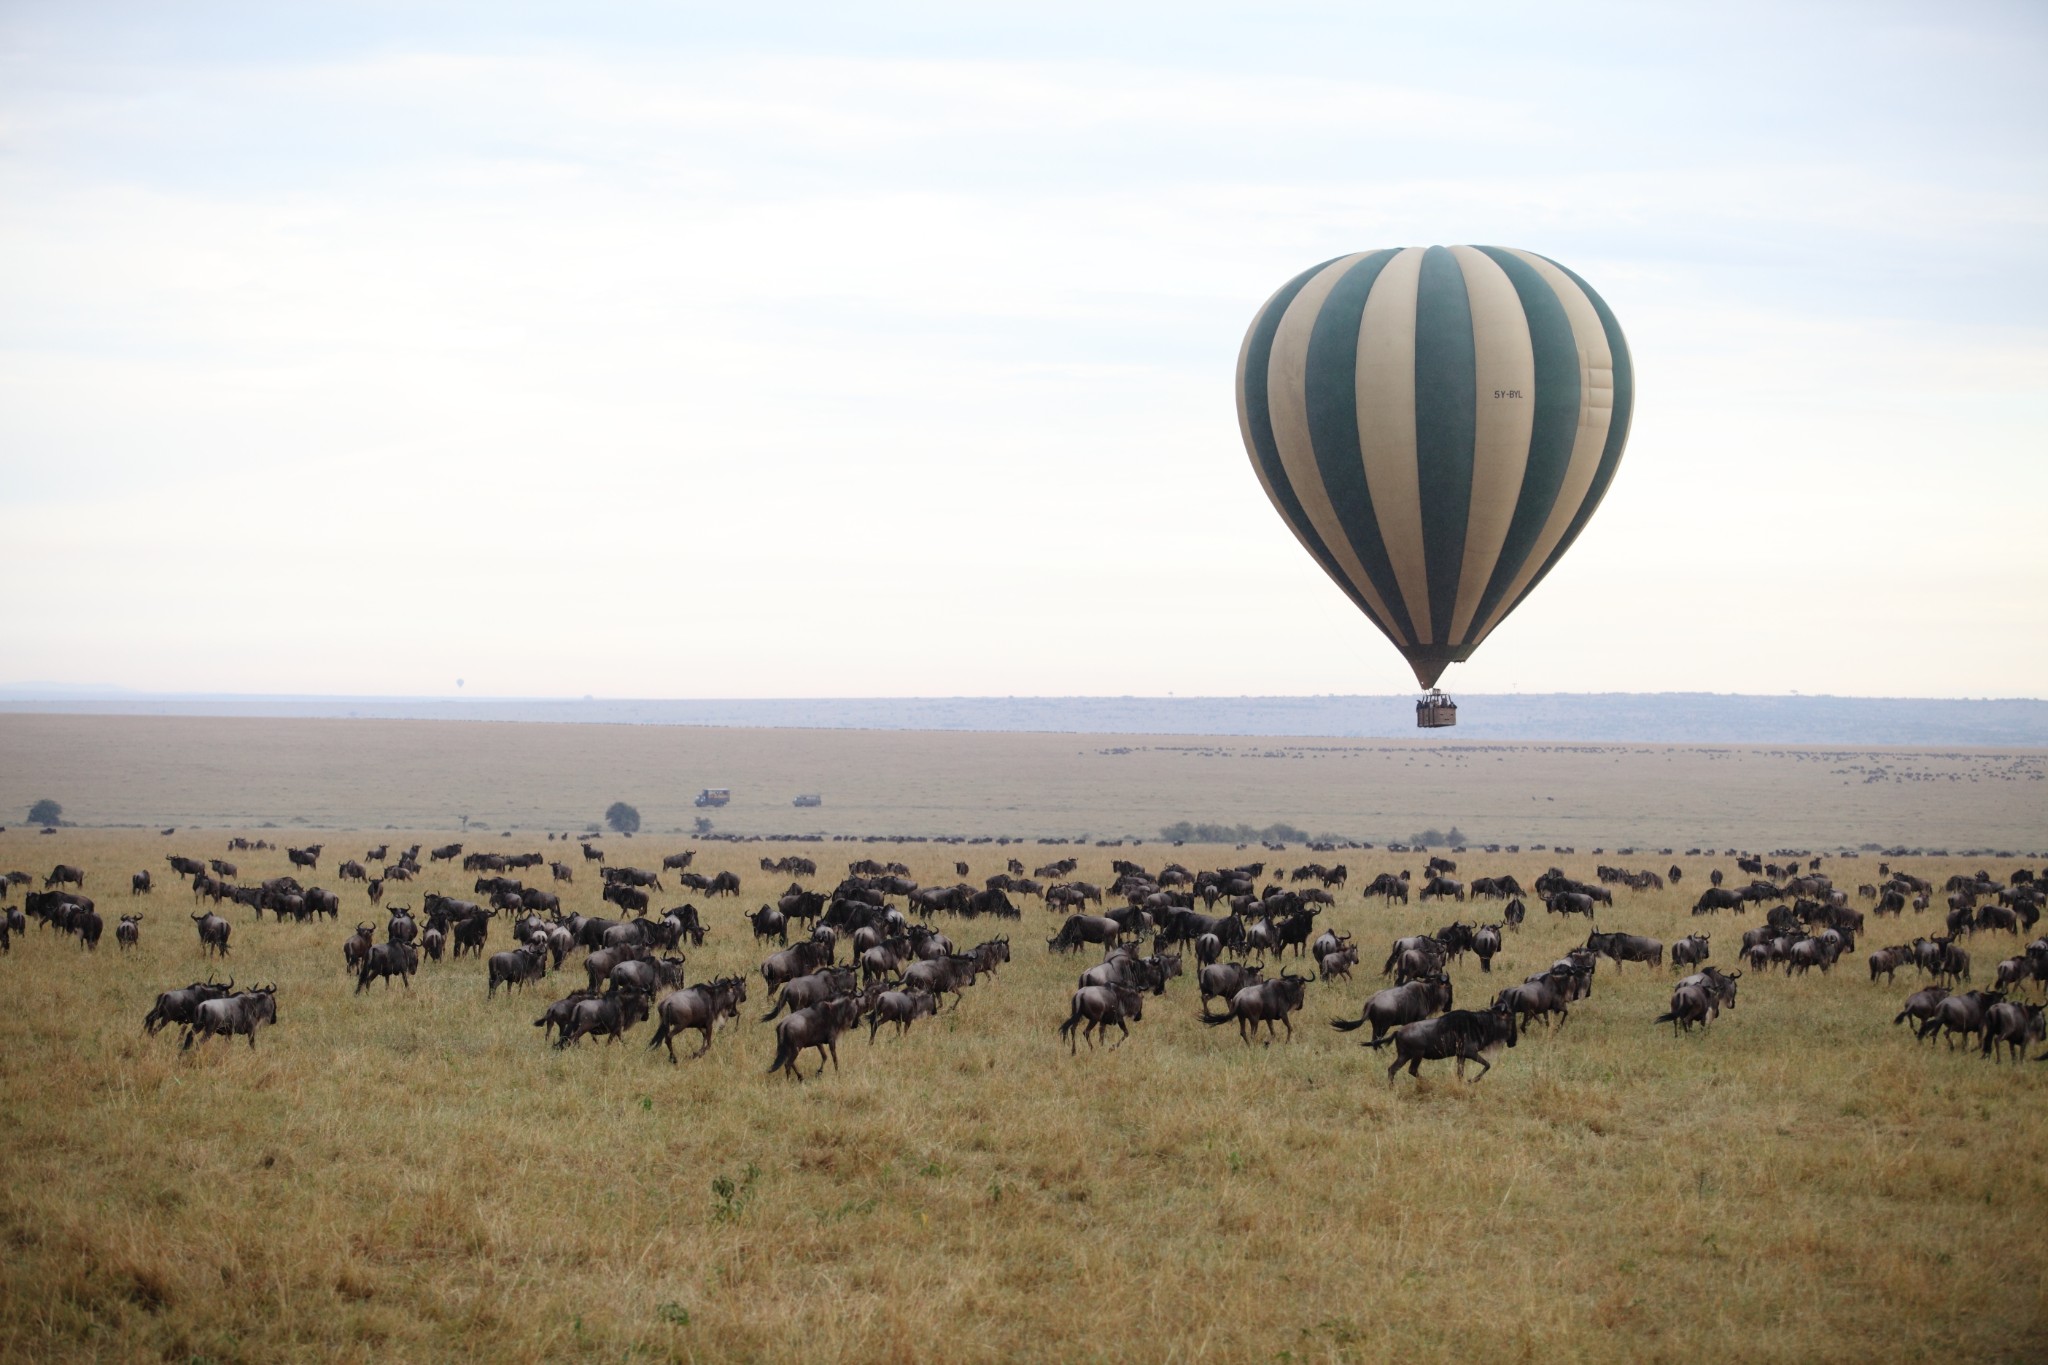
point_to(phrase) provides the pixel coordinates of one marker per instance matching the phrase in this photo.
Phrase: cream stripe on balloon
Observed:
(1386, 428)
(1596, 410)
(1504, 371)
(1287, 401)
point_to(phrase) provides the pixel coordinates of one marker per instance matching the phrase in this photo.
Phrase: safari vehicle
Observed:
(714, 796)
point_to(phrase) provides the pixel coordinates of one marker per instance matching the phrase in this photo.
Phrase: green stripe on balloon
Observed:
(1558, 400)
(1446, 421)
(1258, 411)
(1617, 430)
(1332, 393)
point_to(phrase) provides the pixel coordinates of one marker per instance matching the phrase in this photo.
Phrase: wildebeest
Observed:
(814, 989)
(697, 1007)
(1690, 1005)
(948, 975)
(1080, 929)
(176, 1007)
(1920, 1007)
(64, 874)
(213, 933)
(387, 960)
(1544, 994)
(128, 932)
(2015, 1024)
(1097, 1007)
(646, 974)
(141, 884)
(241, 1013)
(610, 1015)
(1397, 1005)
(1690, 951)
(1466, 1035)
(1225, 979)
(1960, 1014)
(515, 968)
(818, 1026)
(901, 1008)
(1263, 1002)
(1626, 948)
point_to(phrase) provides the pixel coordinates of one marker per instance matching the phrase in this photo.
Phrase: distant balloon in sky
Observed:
(458, 682)
(1436, 426)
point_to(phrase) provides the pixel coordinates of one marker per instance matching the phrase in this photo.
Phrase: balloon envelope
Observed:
(1436, 426)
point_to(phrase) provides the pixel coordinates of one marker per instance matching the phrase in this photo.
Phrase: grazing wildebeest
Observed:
(213, 933)
(64, 874)
(1398, 1005)
(1626, 948)
(1466, 1035)
(1263, 1002)
(176, 1007)
(387, 960)
(241, 1013)
(1097, 1007)
(1080, 929)
(515, 968)
(697, 1007)
(901, 1008)
(818, 1026)
(610, 1015)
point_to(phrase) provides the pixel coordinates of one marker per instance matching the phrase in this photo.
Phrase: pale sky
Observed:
(875, 350)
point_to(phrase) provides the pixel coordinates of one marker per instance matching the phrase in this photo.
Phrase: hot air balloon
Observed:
(1436, 426)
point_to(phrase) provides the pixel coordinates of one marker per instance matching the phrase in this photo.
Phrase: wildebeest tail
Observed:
(1348, 1025)
(1381, 1042)
(1670, 1017)
(785, 1052)
(1212, 1020)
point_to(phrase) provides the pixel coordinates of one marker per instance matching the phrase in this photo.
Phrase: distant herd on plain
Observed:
(898, 967)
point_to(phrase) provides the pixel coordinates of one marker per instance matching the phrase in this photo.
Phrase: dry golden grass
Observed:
(414, 1176)
(367, 774)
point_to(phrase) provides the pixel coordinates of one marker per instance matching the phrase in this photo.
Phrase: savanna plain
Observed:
(413, 1174)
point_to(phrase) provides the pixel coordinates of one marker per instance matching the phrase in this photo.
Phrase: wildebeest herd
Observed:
(871, 950)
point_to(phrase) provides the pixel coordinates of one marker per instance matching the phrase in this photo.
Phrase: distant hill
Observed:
(1620, 717)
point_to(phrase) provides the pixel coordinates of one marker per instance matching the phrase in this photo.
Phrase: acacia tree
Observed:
(45, 812)
(622, 818)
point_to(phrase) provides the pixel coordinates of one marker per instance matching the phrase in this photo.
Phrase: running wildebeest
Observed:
(1099, 1007)
(176, 1007)
(1398, 1005)
(1263, 1002)
(610, 1015)
(698, 1007)
(227, 1016)
(516, 968)
(387, 960)
(1465, 1035)
(900, 1008)
(818, 1026)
